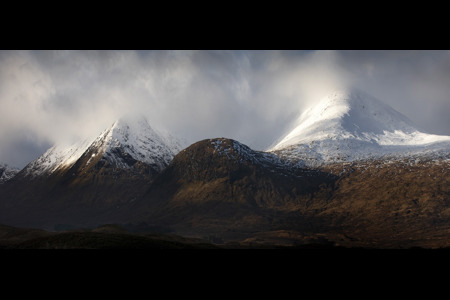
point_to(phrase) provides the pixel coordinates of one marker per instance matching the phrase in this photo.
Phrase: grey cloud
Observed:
(414, 82)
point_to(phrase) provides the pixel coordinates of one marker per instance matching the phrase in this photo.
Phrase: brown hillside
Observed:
(231, 189)
(400, 203)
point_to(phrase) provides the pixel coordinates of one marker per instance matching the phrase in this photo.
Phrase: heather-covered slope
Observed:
(399, 203)
(222, 188)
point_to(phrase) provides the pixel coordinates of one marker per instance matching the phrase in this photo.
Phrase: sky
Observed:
(49, 97)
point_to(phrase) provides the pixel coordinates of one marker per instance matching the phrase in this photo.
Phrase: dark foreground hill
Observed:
(78, 184)
(104, 237)
(70, 198)
(223, 188)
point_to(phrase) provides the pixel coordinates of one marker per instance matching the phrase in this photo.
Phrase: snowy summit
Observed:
(348, 125)
(129, 138)
(136, 138)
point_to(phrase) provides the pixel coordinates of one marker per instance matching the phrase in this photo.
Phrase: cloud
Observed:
(414, 82)
(252, 96)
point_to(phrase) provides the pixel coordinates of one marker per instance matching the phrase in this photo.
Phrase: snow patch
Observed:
(241, 153)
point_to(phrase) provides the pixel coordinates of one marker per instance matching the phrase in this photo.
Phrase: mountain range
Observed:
(351, 172)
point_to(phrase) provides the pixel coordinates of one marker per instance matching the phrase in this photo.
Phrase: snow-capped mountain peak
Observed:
(135, 137)
(351, 124)
(129, 139)
(344, 114)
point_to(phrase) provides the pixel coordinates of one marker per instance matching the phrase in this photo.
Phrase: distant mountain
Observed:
(77, 183)
(350, 125)
(7, 172)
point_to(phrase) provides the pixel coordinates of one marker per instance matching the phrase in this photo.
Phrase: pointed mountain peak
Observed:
(128, 140)
(344, 114)
(357, 107)
(132, 120)
(137, 125)
(131, 138)
(351, 124)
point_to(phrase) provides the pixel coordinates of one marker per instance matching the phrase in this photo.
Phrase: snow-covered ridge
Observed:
(241, 153)
(133, 137)
(352, 125)
(7, 172)
(57, 157)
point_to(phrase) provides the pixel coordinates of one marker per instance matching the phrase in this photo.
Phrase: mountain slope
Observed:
(58, 157)
(222, 186)
(400, 203)
(222, 189)
(351, 125)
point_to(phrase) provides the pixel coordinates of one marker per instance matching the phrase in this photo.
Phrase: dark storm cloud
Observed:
(251, 96)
